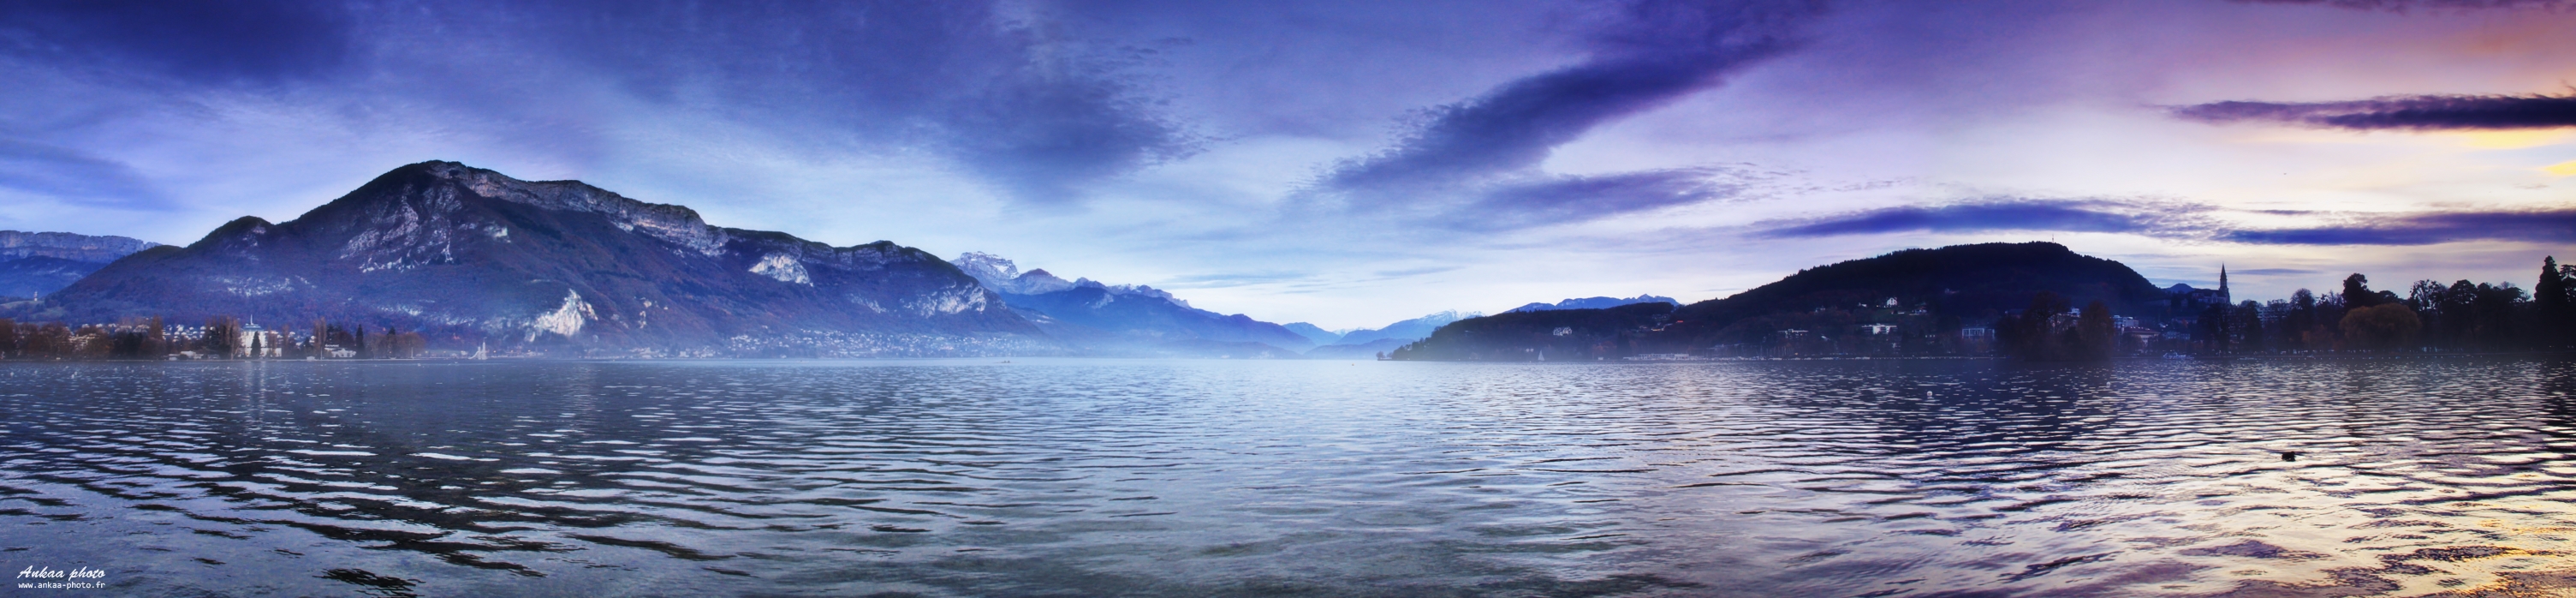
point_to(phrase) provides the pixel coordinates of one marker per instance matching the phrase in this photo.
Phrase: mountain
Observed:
(1125, 319)
(1314, 333)
(1927, 290)
(1593, 303)
(1003, 276)
(41, 263)
(1408, 330)
(1556, 334)
(1964, 280)
(466, 256)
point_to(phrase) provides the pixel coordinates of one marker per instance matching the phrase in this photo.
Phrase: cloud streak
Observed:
(2419, 113)
(2425, 228)
(1546, 200)
(1473, 166)
(1651, 53)
(2011, 214)
(2182, 221)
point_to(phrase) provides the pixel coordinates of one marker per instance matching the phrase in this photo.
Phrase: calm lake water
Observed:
(1194, 478)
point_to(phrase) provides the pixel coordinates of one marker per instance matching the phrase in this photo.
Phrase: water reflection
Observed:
(1196, 478)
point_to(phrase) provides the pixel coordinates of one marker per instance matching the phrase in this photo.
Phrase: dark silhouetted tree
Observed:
(223, 335)
(2383, 326)
(2246, 321)
(2096, 337)
(2356, 292)
(2554, 303)
(2301, 323)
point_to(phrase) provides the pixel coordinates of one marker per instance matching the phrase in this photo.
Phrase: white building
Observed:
(269, 344)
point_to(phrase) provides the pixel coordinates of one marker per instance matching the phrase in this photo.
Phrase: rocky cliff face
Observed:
(41, 263)
(68, 246)
(470, 255)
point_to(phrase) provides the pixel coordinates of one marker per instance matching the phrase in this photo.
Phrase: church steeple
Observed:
(2223, 297)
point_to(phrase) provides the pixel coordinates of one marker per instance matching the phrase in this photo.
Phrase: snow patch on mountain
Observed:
(566, 320)
(785, 268)
(949, 302)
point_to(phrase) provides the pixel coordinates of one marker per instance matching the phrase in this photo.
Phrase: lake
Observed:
(1066, 477)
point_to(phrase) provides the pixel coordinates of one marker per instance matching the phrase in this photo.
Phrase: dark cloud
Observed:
(1038, 113)
(2100, 216)
(70, 175)
(2425, 112)
(1035, 113)
(1648, 54)
(2426, 228)
(206, 42)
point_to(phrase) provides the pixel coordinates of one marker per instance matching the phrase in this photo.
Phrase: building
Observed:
(257, 341)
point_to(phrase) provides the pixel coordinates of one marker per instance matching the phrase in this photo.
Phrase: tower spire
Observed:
(2223, 297)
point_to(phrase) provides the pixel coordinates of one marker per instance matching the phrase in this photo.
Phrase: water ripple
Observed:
(1073, 477)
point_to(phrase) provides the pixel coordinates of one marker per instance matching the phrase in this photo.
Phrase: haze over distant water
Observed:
(1195, 478)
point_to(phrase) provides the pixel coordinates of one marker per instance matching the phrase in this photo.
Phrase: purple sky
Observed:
(1354, 163)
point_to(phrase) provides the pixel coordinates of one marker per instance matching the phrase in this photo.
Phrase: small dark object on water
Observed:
(2289, 455)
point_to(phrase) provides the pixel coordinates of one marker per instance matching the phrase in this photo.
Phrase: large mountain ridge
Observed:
(467, 254)
(1959, 283)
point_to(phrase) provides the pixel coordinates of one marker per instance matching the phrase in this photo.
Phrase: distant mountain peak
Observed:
(1592, 303)
(1121, 318)
(1407, 330)
(1000, 274)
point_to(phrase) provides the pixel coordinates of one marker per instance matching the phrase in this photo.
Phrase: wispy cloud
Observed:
(2421, 112)
(1231, 279)
(2184, 221)
(1545, 200)
(1411, 272)
(71, 175)
(2014, 214)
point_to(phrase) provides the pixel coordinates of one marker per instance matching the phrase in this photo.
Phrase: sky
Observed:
(1355, 163)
